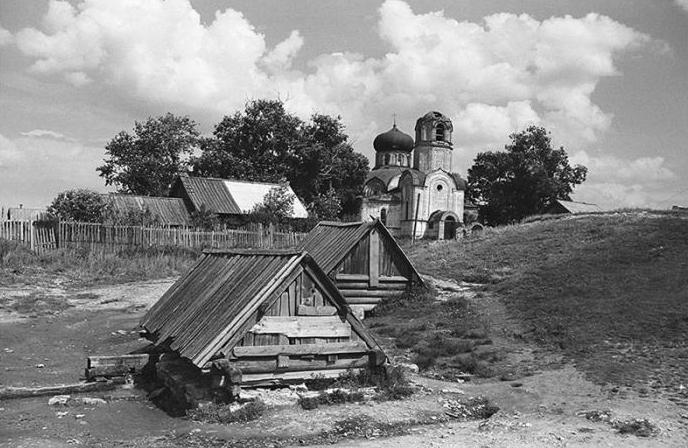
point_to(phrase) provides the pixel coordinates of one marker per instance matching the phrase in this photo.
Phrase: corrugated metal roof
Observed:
(228, 196)
(206, 307)
(169, 211)
(579, 207)
(330, 242)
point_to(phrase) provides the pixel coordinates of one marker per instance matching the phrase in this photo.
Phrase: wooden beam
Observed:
(305, 310)
(134, 361)
(303, 326)
(311, 349)
(352, 277)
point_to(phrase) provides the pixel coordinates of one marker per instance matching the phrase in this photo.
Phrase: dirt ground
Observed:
(47, 342)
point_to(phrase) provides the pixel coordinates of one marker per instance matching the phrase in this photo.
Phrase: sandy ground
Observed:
(49, 345)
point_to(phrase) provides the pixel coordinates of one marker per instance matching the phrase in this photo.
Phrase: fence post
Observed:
(32, 244)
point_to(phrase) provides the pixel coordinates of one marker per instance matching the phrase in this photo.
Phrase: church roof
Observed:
(460, 181)
(393, 140)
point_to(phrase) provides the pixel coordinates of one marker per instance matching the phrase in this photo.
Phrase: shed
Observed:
(273, 314)
(167, 211)
(560, 207)
(363, 259)
(227, 197)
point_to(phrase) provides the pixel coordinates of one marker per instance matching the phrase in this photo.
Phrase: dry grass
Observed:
(610, 291)
(18, 264)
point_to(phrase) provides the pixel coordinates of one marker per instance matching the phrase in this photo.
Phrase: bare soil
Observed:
(47, 331)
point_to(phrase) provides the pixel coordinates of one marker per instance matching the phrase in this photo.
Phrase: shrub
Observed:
(223, 413)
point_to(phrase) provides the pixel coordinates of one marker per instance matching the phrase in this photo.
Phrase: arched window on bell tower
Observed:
(439, 133)
(383, 216)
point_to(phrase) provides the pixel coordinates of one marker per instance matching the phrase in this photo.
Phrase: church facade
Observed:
(412, 188)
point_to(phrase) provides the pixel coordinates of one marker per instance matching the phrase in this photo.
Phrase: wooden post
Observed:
(415, 220)
(31, 236)
(374, 259)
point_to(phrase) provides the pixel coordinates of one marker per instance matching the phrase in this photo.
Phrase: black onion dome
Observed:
(393, 140)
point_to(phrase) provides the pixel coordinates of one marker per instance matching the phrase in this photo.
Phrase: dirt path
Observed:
(544, 408)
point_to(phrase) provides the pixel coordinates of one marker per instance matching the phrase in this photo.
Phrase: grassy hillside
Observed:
(610, 291)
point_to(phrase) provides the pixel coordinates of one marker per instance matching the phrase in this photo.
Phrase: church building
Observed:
(411, 188)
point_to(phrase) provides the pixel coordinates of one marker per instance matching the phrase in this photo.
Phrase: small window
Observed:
(439, 187)
(383, 216)
(386, 159)
(439, 133)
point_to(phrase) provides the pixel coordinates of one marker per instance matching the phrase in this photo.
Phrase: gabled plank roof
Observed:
(207, 307)
(168, 211)
(330, 242)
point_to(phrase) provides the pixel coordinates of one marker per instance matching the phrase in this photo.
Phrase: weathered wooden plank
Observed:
(303, 326)
(323, 349)
(284, 304)
(259, 379)
(352, 277)
(137, 361)
(305, 310)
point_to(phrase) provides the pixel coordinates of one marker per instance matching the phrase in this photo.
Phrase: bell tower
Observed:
(433, 149)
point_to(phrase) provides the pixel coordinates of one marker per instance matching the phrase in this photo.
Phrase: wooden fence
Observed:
(42, 236)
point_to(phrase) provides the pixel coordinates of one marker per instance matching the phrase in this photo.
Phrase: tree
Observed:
(79, 205)
(277, 205)
(523, 180)
(265, 143)
(327, 206)
(147, 162)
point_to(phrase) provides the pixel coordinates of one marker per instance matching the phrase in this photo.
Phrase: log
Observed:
(365, 278)
(401, 287)
(265, 379)
(64, 389)
(310, 349)
(363, 300)
(251, 366)
(305, 310)
(303, 326)
(369, 293)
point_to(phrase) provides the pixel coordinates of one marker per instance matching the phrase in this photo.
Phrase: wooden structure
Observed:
(167, 212)
(363, 259)
(228, 198)
(273, 315)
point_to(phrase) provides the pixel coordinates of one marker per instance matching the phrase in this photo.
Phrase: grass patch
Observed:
(37, 304)
(434, 331)
(83, 267)
(228, 413)
(608, 290)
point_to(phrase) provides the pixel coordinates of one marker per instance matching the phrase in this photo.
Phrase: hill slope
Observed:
(609, 291)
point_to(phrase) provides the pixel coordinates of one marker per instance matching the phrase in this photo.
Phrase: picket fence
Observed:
(43, 236)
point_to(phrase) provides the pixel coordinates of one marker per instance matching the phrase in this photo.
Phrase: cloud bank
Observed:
(492, 77)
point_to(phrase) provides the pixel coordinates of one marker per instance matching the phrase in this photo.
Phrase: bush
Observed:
(78, 205)
(223, 413)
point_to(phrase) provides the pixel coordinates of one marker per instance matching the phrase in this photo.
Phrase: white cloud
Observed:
(45, 133)
(58, 164)
(683, 4)
(640, 170)
(491, 77)
(5, 37)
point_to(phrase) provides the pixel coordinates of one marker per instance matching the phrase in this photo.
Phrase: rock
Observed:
(88, 401)
(77, 416)
(409, 366)
(40, 366)
(58, 400)
(61, 414)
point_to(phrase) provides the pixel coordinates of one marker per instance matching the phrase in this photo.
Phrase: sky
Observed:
(607, 78)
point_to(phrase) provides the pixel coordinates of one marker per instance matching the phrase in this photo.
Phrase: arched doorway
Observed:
(450, 226)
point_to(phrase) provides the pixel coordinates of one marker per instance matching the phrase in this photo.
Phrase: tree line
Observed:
(265, 143)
